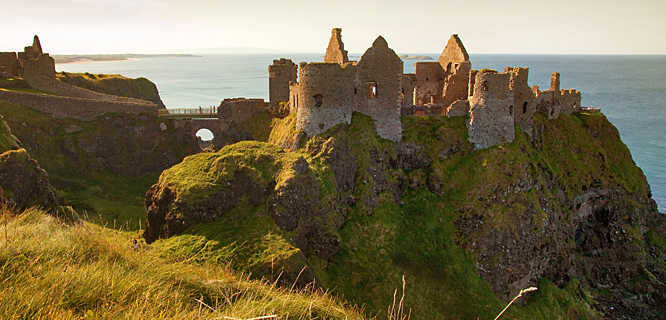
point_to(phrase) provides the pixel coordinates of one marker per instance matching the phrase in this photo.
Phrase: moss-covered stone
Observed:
(467, 228)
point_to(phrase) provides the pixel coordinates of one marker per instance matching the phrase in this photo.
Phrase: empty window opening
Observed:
(319, 100)
(355, 90)
(511, 110)
(432, 99)
(372, 90)
(525, 107)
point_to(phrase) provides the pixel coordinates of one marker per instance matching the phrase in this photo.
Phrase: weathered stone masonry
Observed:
(327, 93)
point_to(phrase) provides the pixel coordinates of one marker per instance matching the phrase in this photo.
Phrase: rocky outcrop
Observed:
(286, 185)
(23, 183)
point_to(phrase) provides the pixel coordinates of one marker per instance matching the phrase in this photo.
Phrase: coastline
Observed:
(75, 58)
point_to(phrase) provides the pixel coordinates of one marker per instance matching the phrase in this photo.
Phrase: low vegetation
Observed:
(85, 271)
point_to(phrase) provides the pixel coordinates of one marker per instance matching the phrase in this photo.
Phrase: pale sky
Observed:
(413, 26)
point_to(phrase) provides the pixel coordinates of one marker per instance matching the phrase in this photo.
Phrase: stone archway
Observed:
(205, 139)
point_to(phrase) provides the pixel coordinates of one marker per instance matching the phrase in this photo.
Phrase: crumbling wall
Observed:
(407, 84)
(570, 100)
(280, 74)
(454, 52)
(39, 68)
(323, 96)
(524, 100)
(8, 64)
(378, 88)
(455, 82)
(336, 53)
(240, 109)
(459, 108)
(429, 83)
(491, 110)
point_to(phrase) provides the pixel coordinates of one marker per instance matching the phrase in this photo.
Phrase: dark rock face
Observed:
(23, 183)
(521, 217)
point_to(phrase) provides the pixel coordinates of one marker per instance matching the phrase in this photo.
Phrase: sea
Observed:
(629, 89)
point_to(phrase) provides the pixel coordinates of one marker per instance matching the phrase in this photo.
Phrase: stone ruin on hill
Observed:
(31, 64)
(324, 94)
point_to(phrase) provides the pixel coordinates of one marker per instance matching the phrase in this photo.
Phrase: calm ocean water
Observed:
(631, 90)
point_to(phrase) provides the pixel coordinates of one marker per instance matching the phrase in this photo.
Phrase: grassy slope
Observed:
(114, 84)
(51, 270)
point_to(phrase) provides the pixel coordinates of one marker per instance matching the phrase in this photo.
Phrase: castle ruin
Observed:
(31, 64)
(325, 94)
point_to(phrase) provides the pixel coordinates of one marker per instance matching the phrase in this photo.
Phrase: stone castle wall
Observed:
(323, 96)
(381, 68)
(491, 110)
(336, 53)
(455, 82)
(524, 101)
(408, 83)
(280, 74)
(429, 83)
(240, 109)
(8, 64)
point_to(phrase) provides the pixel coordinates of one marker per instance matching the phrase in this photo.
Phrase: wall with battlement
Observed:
(280, 74)
(323, 96)
(76, 108)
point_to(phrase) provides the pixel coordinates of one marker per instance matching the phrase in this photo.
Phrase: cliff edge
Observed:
(567, 210)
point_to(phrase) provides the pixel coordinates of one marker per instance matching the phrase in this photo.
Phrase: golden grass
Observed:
(49, 270)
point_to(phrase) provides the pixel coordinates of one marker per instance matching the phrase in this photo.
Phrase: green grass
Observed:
(201, 175)
(51, 270)
(7, 140)
(115, 84)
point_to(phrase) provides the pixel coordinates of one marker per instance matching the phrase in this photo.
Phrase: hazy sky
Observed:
(485, 26)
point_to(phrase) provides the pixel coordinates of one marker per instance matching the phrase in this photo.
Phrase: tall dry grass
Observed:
(49, 270)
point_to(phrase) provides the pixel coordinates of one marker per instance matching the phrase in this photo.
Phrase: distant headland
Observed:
(74, 58)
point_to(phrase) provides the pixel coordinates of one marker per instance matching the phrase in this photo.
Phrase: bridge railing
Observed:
(203, 112)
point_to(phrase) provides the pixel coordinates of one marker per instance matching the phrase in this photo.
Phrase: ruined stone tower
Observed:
(491, 110)
(336, 53)
(280, 74)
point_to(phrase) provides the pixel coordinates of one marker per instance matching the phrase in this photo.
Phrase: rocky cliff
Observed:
(23, 183)
(567, 211)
